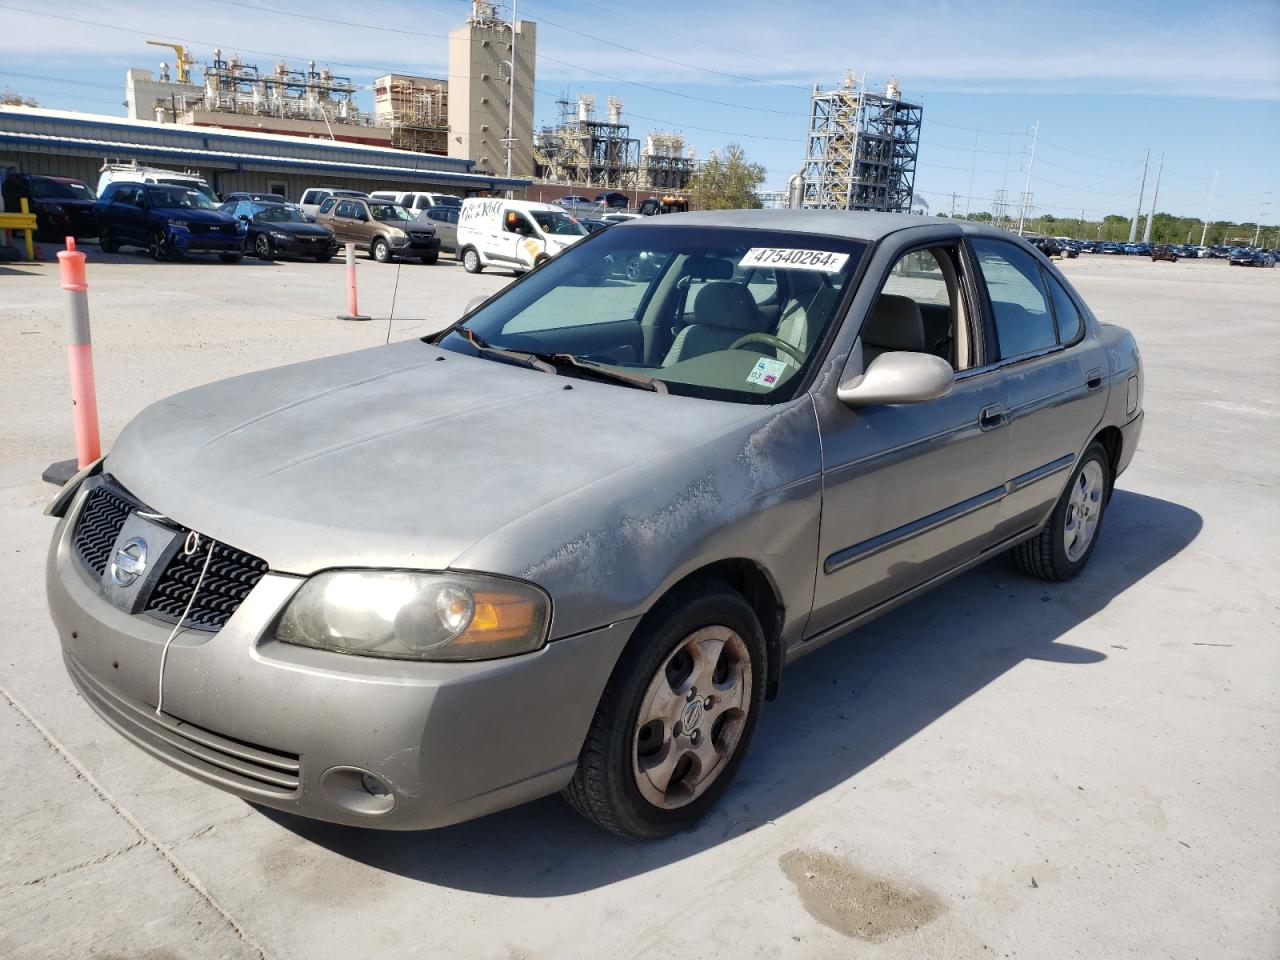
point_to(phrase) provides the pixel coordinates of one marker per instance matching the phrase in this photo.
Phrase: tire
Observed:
(471, 261)
(432, 257)
(231, 257)
(262, 247)
(107, 243)
(616, 784)
(380, 250)
(323, 257)
(158, 246)
(1055, 553)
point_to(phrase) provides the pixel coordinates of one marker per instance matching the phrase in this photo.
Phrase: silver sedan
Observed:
(571, 543)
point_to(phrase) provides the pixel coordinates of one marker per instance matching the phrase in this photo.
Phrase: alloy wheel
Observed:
(691, 717)
(1084, 510)
(262, 247)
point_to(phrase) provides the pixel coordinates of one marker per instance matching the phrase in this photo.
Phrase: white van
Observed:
(132, 172)
(514, 234)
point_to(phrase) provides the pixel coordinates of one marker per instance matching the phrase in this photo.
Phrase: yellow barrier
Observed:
(24, 222)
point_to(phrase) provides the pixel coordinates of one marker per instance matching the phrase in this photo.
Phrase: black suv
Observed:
(63, 206)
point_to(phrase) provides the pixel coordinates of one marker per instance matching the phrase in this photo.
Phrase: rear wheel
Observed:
(107, 243)
(380, 250)
(676, 717)
(1063, 547)
(471, 261)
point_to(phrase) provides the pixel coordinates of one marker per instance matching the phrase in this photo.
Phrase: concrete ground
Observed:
(1000, 769)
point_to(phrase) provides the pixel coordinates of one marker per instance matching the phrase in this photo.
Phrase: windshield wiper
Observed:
(594, 369)
(530, 360)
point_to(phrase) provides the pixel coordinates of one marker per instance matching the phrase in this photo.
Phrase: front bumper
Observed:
(287, 244)
(186, 242)
(295, 728)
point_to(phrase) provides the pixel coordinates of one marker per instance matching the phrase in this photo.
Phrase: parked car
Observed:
(1049, 246)
(313, 197)
(417, 201)
(279, 230)
(619, 217)
(133, 172)
(573, 541)
(385, 230)
(1253, 258)
(614, 201)
(63, 206)
(515, 234)
(1109, 247)
(166, 221)
(572, 201)
(445, 221)
(593, 226)
(1164, 252)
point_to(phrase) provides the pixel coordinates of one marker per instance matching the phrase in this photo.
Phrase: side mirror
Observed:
(244, 217)
(473, 303)
(898, 377)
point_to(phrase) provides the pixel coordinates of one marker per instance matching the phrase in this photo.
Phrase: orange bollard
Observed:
(84, 397)
(353, 308)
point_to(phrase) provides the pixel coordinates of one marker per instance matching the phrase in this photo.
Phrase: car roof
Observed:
(853, 224)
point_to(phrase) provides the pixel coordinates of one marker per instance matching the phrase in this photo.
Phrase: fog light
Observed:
(358, 791)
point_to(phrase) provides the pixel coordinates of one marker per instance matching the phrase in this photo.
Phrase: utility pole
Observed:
(1257, 230)
(1155, 192)
(1080, 225)
(511, 95)
(1209, 209)
(1142, 188)
(952, 214)
(1026, 189)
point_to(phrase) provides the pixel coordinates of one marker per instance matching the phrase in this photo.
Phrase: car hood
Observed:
(400, 456)
(294, 229)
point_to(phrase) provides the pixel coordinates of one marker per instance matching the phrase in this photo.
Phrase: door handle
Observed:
(1094, 378)
(992, 417)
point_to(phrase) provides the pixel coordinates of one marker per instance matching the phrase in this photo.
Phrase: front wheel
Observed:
(107, 243)
(471, 261)
(158, 246)
(323, 257)
(262, 247)
(380, 251)
(676, 717)
(1063, 547)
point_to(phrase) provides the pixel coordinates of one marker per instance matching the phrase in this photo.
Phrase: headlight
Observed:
(416, 616)
(282, 237)
(177, 222)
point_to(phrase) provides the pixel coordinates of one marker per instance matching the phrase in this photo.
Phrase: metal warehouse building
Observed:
(65, 144)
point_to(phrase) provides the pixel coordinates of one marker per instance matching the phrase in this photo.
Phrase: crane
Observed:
(183, 63)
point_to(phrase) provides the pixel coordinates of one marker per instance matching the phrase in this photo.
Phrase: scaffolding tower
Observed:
(231, 86)
(862, 150)
(665, 162)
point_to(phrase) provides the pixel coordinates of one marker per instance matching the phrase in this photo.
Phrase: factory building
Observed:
(66, 144)
(480, 55)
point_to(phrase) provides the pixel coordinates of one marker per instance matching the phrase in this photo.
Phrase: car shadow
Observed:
(839, 710)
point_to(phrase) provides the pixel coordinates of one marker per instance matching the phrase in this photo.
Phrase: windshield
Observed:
(203, 188)
(719, 313)
(558, 222)
(388, 211)
(279, 214)
(60, 190)
(177, 197)
(442, 201)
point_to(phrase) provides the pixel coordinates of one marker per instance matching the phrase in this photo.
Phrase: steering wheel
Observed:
(772, 341)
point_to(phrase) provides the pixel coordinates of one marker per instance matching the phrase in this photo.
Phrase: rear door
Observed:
(1053, 373)
(343, 221)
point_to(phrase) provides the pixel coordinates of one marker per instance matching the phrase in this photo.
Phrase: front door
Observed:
(911, 491)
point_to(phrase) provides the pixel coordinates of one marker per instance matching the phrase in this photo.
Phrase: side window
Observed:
(328, 206)
(309, 197)
(920, 309)
(1023, 321)
(346, 210)
(1070, 323)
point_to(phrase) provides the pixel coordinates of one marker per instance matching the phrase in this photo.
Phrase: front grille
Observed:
(248, 766)
(232, 573)
(212, 228)
(99, 524)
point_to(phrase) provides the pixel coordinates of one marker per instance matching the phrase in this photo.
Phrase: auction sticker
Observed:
(823, 261)
(766, 372)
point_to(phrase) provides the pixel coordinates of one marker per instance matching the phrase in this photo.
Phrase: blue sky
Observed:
(1199, 81)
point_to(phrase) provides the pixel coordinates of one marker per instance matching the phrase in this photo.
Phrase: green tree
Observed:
(727, 181)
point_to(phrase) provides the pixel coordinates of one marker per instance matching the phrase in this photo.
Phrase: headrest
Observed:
(895, 324)
(722, 304)
(708, 268)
